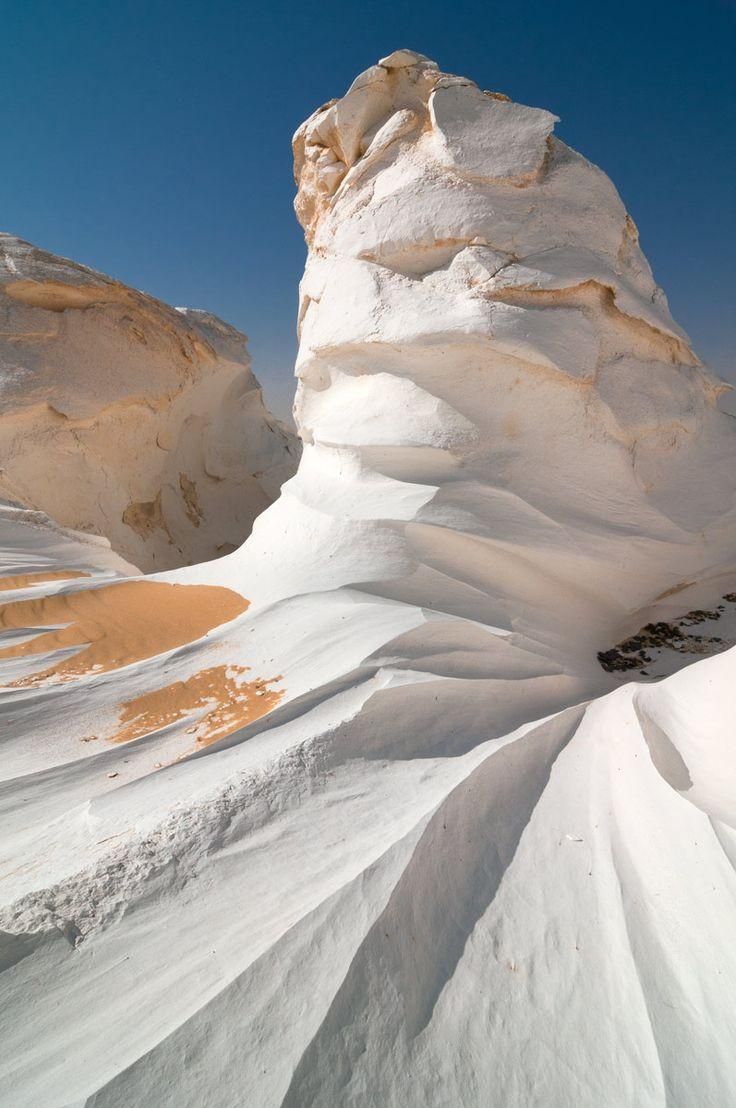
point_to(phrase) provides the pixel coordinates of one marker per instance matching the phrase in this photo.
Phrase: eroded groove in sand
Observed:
(115, 625)
(227, 702)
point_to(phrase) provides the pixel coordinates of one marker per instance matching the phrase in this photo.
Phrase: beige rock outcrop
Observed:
(126, 418)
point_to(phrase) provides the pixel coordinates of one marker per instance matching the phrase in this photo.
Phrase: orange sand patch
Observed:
(116, 625)
(228, 703)
(25, 580)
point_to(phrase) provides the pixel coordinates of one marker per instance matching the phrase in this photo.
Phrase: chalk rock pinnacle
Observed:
(482, 338)
(371, 811)
(126, 418)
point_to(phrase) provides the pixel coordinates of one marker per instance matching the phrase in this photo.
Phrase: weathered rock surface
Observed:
(450, 859)
(127, 418)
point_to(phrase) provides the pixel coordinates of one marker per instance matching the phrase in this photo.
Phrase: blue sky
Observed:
(152, 140)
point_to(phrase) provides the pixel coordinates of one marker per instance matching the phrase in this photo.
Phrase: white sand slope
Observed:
(150, 414)
(355, 815)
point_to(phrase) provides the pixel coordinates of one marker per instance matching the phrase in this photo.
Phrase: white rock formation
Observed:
(127, 418)
(392, 835)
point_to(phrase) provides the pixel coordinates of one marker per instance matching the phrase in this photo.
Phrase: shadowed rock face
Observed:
(129, 419)
(388, 833)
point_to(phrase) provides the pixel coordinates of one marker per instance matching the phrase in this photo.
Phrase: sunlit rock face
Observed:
(129, 419)
(369, 812)
(482, 342)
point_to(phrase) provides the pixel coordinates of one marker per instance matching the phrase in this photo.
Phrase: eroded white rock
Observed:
(404, 59)
(481, 135)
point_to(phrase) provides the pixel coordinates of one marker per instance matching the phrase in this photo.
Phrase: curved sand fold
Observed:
(387, 831)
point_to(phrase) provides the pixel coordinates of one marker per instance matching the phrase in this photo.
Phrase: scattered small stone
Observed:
(113, 774)
(71, 932)
(630, 653)
(699, 616)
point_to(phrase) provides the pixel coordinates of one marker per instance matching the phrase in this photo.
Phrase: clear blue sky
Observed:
(151, 140)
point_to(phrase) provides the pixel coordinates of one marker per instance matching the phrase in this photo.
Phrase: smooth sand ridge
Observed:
(115, 625)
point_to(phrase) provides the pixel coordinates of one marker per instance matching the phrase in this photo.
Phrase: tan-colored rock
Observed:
(126, 418)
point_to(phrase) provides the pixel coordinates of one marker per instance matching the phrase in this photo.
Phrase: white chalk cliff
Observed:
(129, 419)
(356, 815)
